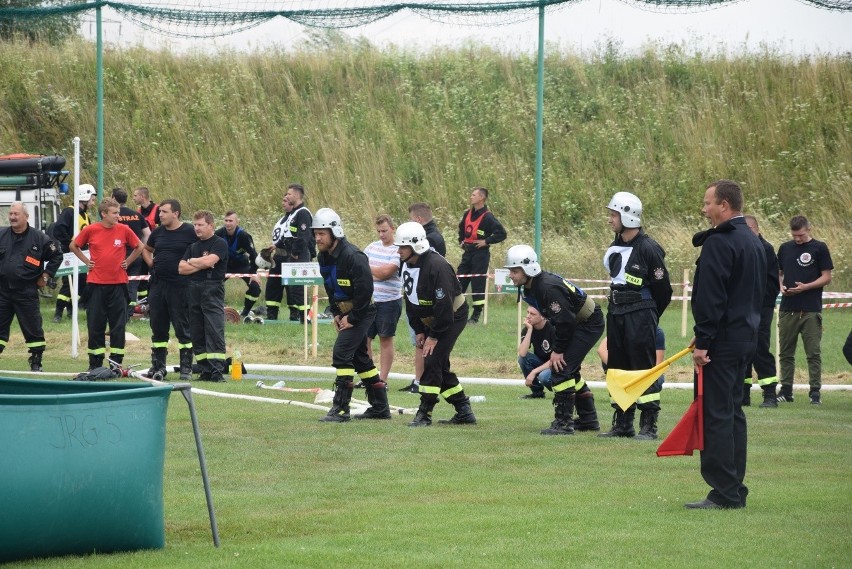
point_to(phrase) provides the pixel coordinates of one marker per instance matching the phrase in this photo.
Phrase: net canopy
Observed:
(211, 18)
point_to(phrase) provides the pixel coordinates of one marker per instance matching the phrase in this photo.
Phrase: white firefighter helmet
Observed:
(411, 234)
(327, 218)
(630, 208)
(523, 256)
(85, 192)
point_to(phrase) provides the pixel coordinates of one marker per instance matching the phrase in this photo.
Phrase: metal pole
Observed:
(186, 390)
(100, 102)
(539, 129)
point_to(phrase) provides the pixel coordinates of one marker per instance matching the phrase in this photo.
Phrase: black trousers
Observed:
(107, 305)
(475, 262)
(207, 324)
(23, 303)
(350, 355)
(437, 378)
(723, 460)
(137, 268)
(764, 362)
(585, 338)
(631, 345)
(168, 307)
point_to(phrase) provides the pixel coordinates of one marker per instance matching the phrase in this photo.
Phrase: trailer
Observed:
(38, 181)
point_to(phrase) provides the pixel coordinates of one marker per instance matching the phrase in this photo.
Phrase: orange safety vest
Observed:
(471, 228)
(151, 218)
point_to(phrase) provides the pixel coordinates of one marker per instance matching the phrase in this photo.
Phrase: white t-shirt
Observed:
(378, 254)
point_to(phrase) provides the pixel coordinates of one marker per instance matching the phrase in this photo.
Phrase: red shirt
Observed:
(107, 250)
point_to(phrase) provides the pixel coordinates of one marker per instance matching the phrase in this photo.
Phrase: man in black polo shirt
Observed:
(205, 262)
(805, 268)
(167, 299)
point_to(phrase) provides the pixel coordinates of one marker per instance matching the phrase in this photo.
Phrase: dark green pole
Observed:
(100, 103)
(539, 129)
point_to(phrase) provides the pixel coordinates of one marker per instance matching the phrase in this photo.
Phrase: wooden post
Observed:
(314, 320)
(485, 306)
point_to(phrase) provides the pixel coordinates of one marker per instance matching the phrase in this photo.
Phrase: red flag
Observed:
(688, 434)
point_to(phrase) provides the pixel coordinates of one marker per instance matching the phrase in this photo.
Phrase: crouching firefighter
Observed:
(578, 324)
(349, 285)
(437, 312)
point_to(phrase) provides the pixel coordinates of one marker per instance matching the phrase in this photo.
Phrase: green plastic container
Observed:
(81, 467)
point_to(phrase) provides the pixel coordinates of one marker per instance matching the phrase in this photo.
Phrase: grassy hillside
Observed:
(370, 131)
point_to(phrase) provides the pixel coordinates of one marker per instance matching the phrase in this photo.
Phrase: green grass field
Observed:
(292, 492)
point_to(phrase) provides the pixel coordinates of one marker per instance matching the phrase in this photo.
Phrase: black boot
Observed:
(647, 425)
(464, 414)
(272, 313)
(60, 308)
(746, 396)
(377, 396)
(296, 315)
(158, 363)
(423, 418)
(95, 362)
(339, 412)
(185, 364)
(622, 424)
(217, 370)
(769, 398)
(474, 318)
(587, 419)
(563, 412)
(247, 306)
(35, 361)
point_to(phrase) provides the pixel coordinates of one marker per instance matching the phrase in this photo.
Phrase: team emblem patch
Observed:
(545, 345)
(659, 273)
(304, 226)
(805, 259)
(555, 307)
(439, 293)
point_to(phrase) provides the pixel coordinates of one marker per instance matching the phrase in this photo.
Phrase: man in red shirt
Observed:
(107, 265)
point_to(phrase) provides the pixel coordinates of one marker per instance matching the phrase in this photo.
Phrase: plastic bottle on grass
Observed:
(237, 366)
(477, 398)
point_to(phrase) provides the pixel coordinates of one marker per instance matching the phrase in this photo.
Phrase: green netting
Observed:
(209, 18)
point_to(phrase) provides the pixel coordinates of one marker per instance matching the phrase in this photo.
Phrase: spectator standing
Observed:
(387, 293)
(204, 262)
(478, 230)
(150, 212)
(294, 243)
(135, 221)
(63, 232)
(726, 299)
(764, 361)
(241, 257)
(167, 302)
(108, 242)
(28, 259)
(805, 269)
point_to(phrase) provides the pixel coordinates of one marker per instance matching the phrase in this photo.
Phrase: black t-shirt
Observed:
(541, 342)
(216, 246)
(169, 246)
(803, 263)
(133, 220)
